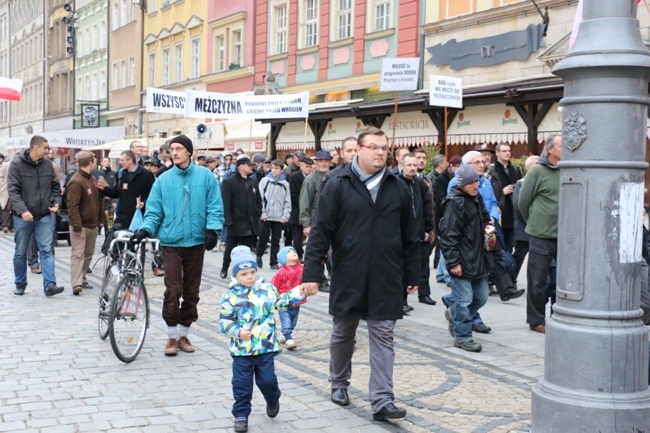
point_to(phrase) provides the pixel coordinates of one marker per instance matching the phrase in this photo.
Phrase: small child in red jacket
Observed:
(288, 277)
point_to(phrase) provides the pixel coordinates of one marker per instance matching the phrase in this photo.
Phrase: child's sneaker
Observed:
(241, 424)
(281, 339)
(290, 344)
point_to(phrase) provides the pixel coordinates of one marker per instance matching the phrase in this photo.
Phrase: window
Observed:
(94, 85)
(345, 19)
(102, 35)
(132, 69)
(95, 37)
(165, 66)
(102, 84)
(89, 46)
(220, 46)
(311, 23)
(116, 15)
(382, 15)
(179, 63)
(116, 77)
(152, 6)
(235, 55)
(88, 87)
(124, 75)
(152, 70)
(123, 13)
(196, 58)
(281, 29)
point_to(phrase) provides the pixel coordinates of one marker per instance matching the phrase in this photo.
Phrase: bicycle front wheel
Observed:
(104, 301)
(129, 318)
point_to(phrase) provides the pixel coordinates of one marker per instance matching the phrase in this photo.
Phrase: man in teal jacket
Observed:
(186, 211)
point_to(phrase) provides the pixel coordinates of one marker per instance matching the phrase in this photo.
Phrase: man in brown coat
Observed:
(85, 214)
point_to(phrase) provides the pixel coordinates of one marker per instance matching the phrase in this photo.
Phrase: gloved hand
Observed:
(211, 237)
(137, 237)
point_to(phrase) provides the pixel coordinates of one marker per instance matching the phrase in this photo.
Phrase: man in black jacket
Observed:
(242, 206)
(464, 225)
(423, 212)
(34, 192)
(508, 175)
(295, 186)
(132, 188)
(365, 213)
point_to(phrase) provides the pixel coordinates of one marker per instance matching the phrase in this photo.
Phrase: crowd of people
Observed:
(352, 226)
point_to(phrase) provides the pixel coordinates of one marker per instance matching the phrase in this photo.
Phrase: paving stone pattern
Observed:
(56, 375)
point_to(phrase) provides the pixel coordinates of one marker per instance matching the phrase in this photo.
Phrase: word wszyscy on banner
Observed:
(165, 101)
(233, 106)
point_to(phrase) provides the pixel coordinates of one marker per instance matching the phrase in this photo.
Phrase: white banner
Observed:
(230, 106)
(165, 101)
(73, 139)
(446, 91)
(399, 74)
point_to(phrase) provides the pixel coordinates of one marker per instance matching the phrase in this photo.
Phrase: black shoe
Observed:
(275, 267)
(340, 396)
(89, 271)
(512, 294)
(272, 411)
(224, 274)
(260, 263)
(406, 310)
(324, 287)
(427, 300)
(444, 302)
(20, 289)
(468, 345)
(390, 411)
(53, 289)
(481, 328)
(86, 286)
(409, 307)
(241, 425)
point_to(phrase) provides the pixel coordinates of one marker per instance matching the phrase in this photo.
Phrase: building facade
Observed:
(59, 80)
(91, 64)
(175, 58)
(126, 24)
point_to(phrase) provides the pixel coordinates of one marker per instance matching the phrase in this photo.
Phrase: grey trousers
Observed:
(382, 357)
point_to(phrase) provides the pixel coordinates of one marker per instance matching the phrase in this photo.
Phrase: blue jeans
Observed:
(43, 230)
(441, 271)
(470, 296)
(244, 370)
(288, 321)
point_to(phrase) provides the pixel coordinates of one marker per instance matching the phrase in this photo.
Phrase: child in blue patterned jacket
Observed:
(247, 317)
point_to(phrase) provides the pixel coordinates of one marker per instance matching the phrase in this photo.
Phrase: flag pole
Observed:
(392, 146)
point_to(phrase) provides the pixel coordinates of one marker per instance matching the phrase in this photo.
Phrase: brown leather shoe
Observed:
(172, 347)
(158, 272)
(538, 328)
(185, 345)
(36, 270)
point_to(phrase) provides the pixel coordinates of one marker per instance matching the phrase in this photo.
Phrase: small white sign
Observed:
(445, 91)
(399, 74)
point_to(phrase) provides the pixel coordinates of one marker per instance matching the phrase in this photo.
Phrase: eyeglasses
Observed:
(374, 148)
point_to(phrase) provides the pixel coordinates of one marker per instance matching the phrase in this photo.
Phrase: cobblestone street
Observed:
(58, 376)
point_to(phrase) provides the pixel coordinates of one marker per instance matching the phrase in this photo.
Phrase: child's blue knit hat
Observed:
(282, 255)
(242, 258)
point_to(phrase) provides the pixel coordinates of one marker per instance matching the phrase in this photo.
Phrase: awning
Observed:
(487, 124)
(71, 139)
(294, 135)
(412, 128)
(109, 146)
(248, 135)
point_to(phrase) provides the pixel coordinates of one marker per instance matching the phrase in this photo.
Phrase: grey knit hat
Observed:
(466, 175)
(242, 258)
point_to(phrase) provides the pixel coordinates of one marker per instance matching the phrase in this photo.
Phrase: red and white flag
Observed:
(10, 89)
(577, 20)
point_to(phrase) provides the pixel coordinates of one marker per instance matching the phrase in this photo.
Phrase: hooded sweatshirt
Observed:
(539, 199)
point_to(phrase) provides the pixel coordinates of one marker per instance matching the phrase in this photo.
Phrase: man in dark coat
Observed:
(365, 213)
(132, 188)
(464, 223)
(242, 206)
(295, 186)
(508, 175)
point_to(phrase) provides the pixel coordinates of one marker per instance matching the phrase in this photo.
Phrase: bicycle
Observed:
(129, 311)
(114, 264)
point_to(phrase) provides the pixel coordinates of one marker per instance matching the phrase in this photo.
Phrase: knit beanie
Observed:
(185, 141)
(282, 255)
(242, 258)
(466, 175)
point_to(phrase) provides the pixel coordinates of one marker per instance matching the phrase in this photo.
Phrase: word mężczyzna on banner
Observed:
(165, 101)
(231, 106)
